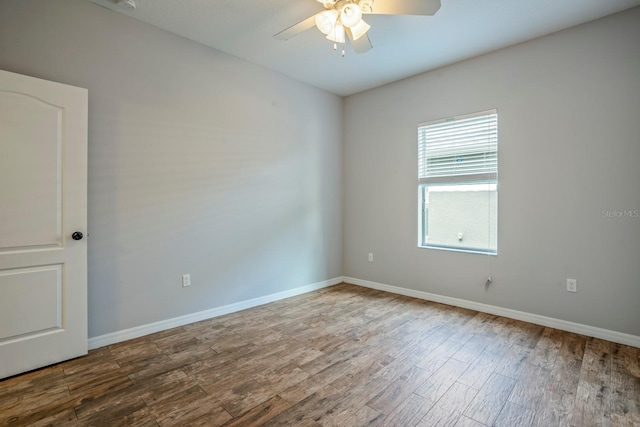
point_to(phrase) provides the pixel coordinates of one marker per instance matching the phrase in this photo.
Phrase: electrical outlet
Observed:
(186, 280)
(572, 285)
(370, 257)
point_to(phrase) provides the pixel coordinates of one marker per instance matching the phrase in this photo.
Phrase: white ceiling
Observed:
(402, 45)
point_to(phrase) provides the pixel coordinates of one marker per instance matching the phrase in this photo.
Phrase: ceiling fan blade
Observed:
(405, 7)
(362, 45)
(296, 29)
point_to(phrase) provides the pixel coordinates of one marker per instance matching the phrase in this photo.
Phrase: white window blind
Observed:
(463, 148)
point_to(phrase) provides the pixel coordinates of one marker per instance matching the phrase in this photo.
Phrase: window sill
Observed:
(463, 250)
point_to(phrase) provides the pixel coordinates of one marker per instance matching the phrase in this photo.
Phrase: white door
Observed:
(43, 201)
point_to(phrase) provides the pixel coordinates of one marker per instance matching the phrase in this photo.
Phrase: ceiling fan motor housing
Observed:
(365, 5)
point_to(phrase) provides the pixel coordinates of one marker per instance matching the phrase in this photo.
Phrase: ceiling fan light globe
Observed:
(337, 34)
(350, 15)
(366, 6)
(359, 30)
(326, 21)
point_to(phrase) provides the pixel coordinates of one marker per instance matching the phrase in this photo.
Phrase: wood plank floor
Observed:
(341, 356)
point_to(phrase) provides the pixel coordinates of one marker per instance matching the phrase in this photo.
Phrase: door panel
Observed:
(32, 162)
(43, 200)
(31, 301)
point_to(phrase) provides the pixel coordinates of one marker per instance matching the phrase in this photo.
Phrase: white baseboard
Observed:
(578, 328)
(139, 331)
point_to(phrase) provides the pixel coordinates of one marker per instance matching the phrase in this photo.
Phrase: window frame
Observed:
(482, 177)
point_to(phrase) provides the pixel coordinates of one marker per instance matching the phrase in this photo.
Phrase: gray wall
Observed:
(199, 163)
(569, 149)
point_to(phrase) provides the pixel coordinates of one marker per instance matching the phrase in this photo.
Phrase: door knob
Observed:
(77, 235)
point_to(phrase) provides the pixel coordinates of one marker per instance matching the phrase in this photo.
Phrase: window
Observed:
(458, 183)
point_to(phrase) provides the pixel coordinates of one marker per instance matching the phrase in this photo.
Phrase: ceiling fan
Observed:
(344, 18)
